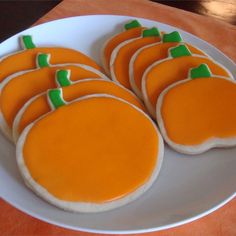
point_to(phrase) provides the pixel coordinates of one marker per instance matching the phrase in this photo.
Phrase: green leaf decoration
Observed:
(43, 60)
(132, 24)
(173, 37)
(55, 98)
(63, 78)
(151, 32)
(202, 71)
(27, 42)
(179, 51)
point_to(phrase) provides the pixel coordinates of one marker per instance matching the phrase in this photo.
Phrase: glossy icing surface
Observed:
(160, 76)
(152, 54)
(84, 151)
(121, 63)
(40, 105)
(25, 60)
(117, 39)
(199, 109)
(20, 89)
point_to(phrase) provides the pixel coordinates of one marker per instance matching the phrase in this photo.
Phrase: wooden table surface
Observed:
(18, 15)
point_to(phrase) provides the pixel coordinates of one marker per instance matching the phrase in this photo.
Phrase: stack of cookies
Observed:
(87, 137)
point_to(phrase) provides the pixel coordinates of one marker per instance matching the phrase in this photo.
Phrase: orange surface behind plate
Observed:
(152, 54)
(200, 109)
(121, 63)
(20, 89)
(26, 60)
(40, 105)
(161, 76)
(117, 39)
(87, 151)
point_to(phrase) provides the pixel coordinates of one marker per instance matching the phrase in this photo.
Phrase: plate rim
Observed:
(136, 231)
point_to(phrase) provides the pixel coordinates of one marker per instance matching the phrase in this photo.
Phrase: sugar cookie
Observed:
(149, 54)
(121, 55)
(132, 29)
(198, 114)
(174, 68)
(20, 87)
(38, 105)
(94, 154)
(25, 59)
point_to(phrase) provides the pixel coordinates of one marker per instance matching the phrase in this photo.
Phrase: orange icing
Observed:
(25, 60)
(20, 89)
(40, 105)
(116, 40)
(161, 76)
(34, 110)
(121, 63)
(199, 109)
(83, 152)
(152, 54)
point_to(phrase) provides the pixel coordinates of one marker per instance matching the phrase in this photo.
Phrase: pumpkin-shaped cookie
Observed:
(198, 114)
(121, 55)
(161, 74)
(25, 59)
(94, 154)
(17, 89)
(132, 29)
(147, 55)
(38, 105)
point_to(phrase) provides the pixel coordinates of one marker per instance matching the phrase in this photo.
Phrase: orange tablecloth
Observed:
(222, 35)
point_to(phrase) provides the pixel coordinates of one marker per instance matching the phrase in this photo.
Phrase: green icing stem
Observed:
(179, 51)
(43, 60)
(27, 42)
(55, 98)
(132, 24)
(200, 72)
(172, 37)
(63, 78)
(151, 32)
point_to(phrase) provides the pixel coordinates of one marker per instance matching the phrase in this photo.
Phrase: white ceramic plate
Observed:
(188, 187)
